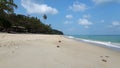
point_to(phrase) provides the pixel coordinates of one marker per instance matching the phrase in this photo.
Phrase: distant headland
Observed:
(17, 23)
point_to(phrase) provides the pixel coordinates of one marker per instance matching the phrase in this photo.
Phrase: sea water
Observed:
(112, 41)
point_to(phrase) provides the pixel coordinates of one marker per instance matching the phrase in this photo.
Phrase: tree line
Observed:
(18, 23)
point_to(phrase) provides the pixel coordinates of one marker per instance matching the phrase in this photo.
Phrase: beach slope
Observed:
(53, 51)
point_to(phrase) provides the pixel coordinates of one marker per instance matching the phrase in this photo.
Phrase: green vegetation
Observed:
(11, 22)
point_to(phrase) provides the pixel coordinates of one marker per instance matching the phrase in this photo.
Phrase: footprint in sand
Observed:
(104, 58)
(59, 41)
(58, 46)
(107, 56)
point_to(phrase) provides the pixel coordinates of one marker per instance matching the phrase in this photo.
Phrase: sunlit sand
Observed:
(53, 51)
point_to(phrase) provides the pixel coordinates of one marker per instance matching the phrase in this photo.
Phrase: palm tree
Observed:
(44, 17)
(6, 7)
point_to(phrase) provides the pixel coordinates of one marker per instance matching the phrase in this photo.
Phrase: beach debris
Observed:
(58, 46)
(107, 56)
(59, 41)
(104, 56)
(104, 60)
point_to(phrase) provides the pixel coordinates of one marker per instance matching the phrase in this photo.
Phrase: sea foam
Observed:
(70, 36)
(101, 43)
(108, 44)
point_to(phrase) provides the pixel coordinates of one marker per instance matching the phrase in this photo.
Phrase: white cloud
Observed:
(68, 22)
(86, 16)
(98, 2)
(34, 8)
(69, 16)
(115, 23)
(101, 1)
(84, 22)
(78, 6)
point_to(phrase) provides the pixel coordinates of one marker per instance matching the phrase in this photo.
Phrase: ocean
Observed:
(111, 41)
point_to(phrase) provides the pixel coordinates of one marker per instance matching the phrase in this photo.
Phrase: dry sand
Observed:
(53, 51)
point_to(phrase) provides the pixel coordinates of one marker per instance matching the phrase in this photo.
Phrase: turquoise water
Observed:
(112, 41)
(103, 38)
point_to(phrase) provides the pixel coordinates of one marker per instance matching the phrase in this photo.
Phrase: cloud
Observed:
(115, 23)
(86, 16)
(69, 16)
(84, 22)
(68, 22)
(78, 6)
(98, 2)
(34, 8)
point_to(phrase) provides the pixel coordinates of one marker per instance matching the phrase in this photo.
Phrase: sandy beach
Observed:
(53, 51)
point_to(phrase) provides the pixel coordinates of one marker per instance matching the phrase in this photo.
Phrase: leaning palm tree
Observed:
(7, 7)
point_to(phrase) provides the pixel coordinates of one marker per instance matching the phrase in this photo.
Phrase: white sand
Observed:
(41, 51)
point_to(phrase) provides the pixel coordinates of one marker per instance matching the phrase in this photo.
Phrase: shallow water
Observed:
(112, 41)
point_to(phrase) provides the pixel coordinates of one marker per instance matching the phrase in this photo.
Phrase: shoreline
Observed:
(53, 51)
(97, 43)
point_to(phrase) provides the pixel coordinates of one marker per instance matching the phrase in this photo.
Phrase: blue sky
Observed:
(86, 17)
